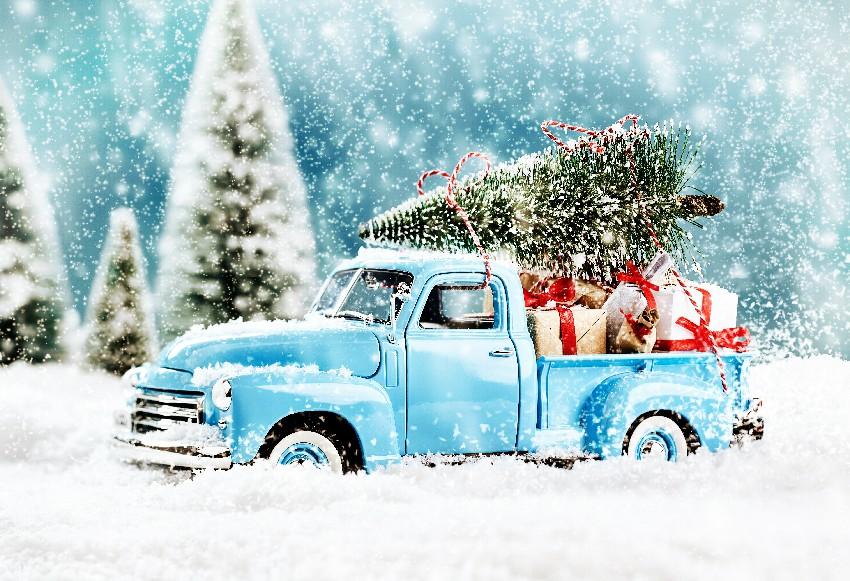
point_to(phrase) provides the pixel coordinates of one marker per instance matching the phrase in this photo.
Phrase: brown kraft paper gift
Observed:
(545, 328)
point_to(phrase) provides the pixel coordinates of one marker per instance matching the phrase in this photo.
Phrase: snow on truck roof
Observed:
(422, 261)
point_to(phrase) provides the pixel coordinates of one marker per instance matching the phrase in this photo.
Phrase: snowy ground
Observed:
(779, 509)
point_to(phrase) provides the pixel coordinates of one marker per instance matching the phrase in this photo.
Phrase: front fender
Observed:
(616, 403)
(261, 400)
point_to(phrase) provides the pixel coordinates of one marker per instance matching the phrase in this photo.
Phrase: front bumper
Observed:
(174, 454)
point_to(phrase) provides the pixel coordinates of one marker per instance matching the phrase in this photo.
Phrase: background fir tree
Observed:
(238, 241)
(31, 290)
(573, 214)
(119, 325)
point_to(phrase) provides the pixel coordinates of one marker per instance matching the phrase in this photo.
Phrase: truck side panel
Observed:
(599, 396)
(261, 400)
(615, 404)
(565, 384)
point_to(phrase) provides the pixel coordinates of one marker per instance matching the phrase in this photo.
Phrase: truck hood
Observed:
(328, 344)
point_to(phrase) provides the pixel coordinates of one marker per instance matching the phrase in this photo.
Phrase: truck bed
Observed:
(567, 381)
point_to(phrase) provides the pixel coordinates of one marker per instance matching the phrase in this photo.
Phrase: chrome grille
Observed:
(162, 410)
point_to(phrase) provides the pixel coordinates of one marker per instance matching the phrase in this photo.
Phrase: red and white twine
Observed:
(454, 205)
(596, 141)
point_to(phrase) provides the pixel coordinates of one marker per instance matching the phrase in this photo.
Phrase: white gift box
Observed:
(722, 309)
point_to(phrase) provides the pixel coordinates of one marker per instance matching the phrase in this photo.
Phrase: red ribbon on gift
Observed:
(640, 331)
(737, 338)
(569, 343)
(634, 276)
(559, 291)
(706, 305)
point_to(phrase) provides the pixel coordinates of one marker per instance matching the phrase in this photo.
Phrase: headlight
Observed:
(221, 394)
(131, 376)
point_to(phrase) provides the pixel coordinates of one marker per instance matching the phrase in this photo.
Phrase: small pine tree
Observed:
(574, 214)
(31, 291)
(238, 241)
(119, 326)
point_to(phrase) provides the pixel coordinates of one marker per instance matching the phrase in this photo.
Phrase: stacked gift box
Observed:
(565, 316)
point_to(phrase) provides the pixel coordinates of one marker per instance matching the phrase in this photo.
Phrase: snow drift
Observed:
(776, 509)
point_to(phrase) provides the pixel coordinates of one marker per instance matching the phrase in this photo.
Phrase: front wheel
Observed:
(657, 438)
(307, 447)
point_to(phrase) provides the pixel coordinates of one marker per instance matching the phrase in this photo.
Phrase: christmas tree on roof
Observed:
(575, 213)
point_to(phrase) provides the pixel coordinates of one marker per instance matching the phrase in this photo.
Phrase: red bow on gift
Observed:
(560, 291)
(634, 276)
(737, 338)
(640, 331)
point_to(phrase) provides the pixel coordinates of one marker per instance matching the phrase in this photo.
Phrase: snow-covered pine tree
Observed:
(119, 325)
(573, 214)
(32, 294)
(238, 240)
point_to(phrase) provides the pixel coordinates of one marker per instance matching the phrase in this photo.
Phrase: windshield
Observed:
(326, 305)
(370, 297)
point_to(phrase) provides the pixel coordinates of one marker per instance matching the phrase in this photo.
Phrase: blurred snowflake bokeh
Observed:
(378, 91)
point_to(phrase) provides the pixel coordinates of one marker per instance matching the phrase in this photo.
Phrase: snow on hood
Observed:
(329, 344)
(203, 376)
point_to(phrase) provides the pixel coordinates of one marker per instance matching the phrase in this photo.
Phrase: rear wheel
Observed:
(657, 438)
(307, 447)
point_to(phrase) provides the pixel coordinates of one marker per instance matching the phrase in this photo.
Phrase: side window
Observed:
(459, 307)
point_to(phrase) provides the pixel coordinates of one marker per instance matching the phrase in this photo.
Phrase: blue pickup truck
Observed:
(411, 354)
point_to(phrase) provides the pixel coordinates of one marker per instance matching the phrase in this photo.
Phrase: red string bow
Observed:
(595, 140)
(452, 202)
(634, 276)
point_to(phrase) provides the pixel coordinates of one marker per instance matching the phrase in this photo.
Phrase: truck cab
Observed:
(417, 354)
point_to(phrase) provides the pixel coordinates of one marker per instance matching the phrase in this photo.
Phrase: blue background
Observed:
(379, 91)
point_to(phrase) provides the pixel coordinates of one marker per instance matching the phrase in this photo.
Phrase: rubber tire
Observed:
(324, 444)
(658, 424)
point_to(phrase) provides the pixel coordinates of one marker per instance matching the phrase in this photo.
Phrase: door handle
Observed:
(503, 352)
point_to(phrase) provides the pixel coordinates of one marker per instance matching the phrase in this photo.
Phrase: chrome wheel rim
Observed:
(303, 453)
(656, 446)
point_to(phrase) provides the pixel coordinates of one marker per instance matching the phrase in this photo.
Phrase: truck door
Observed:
(462, 382)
